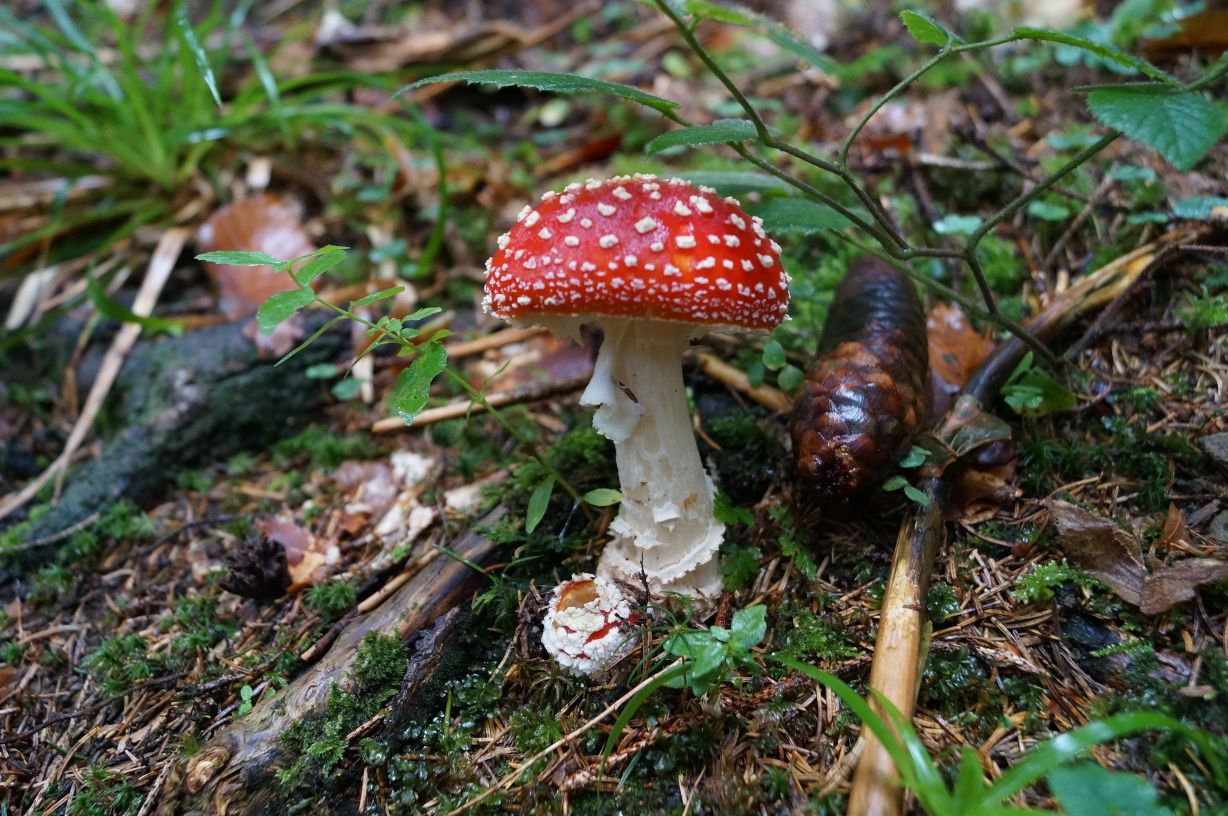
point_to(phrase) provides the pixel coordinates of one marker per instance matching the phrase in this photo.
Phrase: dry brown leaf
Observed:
(1100, 548)
(1177, 584)
(1104, 550)
(1207, 31)
(1176, 531)
(259, 224)
(956, 349)
(307, 556)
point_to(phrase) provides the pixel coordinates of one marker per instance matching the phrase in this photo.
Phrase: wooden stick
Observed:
(735, 378)
(533, 392)
(898, 654)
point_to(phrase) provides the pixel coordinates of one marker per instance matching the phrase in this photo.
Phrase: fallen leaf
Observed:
(1100, 548)
(307, 556)
(1207, 31)
(258, 224)
(1177, 583)
(956, 349)
(1175, 529)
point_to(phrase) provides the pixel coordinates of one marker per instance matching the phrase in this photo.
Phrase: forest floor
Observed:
(138, 634)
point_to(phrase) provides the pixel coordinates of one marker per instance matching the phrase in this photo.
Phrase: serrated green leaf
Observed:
(719, 132)
(240, 258)
(1107, 52)
(539, 502)
(1181, 127)
(926, 29)
(318, 263)
(413, 386)
(765, 27)
(383, 294)
(553, 82)
(748, 627)
(422, 314)
(1199, 208)
(281, 306)
(783, 215)
(603, 497)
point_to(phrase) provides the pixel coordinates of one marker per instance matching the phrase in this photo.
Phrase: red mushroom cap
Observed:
(639, 247)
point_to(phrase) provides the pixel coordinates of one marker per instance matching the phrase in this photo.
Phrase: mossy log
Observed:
(236, 773)
(186, 402)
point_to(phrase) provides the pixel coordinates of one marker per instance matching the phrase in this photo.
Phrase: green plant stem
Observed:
(382, 334)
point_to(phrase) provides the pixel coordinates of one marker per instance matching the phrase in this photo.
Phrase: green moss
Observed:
(1039, 583)
(12, 652)
(747, 459)
(318, 744)
(808, 638)
(101, 794)
(324, 449)
(953, 681)
(332, 599)
(202, 627)
(941, 602)
(121, 661)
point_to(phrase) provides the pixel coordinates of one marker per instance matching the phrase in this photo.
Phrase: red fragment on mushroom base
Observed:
(639, 246)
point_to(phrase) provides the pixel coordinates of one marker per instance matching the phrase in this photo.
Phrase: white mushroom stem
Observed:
(665, 530)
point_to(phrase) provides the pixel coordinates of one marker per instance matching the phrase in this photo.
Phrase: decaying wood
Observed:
(898, 654)
(236, 772)
(189, 401)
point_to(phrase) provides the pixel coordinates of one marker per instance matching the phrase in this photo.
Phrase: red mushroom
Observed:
(653, 262)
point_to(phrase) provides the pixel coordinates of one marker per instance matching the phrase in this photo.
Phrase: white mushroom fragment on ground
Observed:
(653, 263)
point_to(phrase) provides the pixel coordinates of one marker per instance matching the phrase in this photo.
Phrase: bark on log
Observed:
(189, 401)
(236, 772)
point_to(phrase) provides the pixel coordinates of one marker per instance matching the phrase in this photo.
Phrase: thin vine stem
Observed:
(474, 394)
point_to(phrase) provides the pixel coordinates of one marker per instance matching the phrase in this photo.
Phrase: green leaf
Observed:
(118, 311)
(782, 214)
(735, 182)
(957, 224)
(915, 457)
(725, 512)
(1087, 789)
(414, 383)
(739, 565)
(603, 497)
(318, 263)
(790, 378)
(539, 501)
(926, 29)
(281, 306)
(772, 30)
(1181, 127)
(198, 53)
(748, 627)
(312, 338)
(719, 132)
(240, 258)
(773, 355)
(1107, 52)
(383, 294)
(916, 496)
(1199, 208)
(1048, 212)
(422, 314)
(548, 81)
(1034, 393)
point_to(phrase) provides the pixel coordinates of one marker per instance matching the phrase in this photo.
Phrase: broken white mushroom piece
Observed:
(653, 263)
(587, 624)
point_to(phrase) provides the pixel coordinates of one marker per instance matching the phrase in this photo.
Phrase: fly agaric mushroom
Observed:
(653, 263)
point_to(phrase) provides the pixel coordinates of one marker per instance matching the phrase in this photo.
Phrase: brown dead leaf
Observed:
(1100, 548)
(1104, 550)
(1176, 584)
(258, 224)
(307, 556)
(956, 349)
(8, 680)
(1176, 532)
(1207, 31)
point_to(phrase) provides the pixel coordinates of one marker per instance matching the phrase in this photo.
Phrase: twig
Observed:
(898, 653)
(735, 378)
(160, 266)
(534, 392)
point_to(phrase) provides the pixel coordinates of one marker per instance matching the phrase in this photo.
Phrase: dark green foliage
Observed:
(102, 795)
(792, 545)
(953, 681)
(808, 637)
(1039, 583)
(748, 458)
(121, 661)
(201, 626)
(941, 602)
